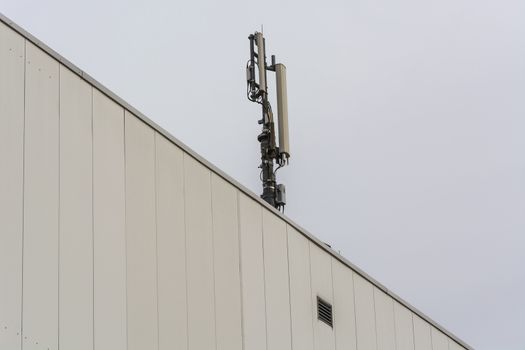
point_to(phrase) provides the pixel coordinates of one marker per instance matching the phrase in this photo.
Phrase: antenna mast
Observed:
(273, 193)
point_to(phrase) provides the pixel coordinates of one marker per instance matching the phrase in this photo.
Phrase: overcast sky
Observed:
(407, 126)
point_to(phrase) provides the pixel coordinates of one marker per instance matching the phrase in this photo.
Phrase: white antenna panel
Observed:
(282, 109)
(261, 61)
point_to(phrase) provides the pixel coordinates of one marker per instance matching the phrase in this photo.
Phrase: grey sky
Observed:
(407, 122)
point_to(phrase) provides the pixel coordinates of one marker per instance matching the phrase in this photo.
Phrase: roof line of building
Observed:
(28, 36)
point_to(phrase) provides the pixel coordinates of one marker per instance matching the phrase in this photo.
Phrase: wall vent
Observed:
(324, 312)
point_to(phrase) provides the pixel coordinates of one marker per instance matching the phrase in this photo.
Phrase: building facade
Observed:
(114, 236)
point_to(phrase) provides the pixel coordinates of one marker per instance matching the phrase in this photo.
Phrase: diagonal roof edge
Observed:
(28, 36)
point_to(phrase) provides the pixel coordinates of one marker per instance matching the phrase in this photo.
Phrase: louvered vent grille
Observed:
(324, 312)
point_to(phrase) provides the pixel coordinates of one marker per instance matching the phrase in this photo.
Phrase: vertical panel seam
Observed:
(241, 280)
(59, 194)
(213, 258)
(236, 199)
(155, 187)
(92, 216)
(264, 278)
(333, 301)
(355, 310)
(375, 316)
(125, 219)
(431, 338)
(185, 246)
(394, 319)
(23, 198)
(312, 308)
(289, 284)
(413, 330)
(395, 322)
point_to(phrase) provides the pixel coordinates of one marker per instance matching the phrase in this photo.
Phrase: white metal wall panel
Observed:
(171, 246)
(300, 291)
(12, 53)
(76, 219)
(321, 276)
(226, 261)
(113, 238)
(343, 308)
(252, 274)
(384, 308)
(199, 253)
(109, 218)
(40, 281)
(141, 240)
(276, 281)
(404, 327)
(422, 338)
(439, 340)
(365, 314)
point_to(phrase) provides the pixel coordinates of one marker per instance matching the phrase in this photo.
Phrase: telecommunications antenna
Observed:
(271, 152)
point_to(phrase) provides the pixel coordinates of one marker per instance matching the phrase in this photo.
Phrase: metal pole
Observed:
(259, 93)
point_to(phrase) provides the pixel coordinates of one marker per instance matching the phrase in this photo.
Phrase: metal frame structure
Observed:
(273, 193)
